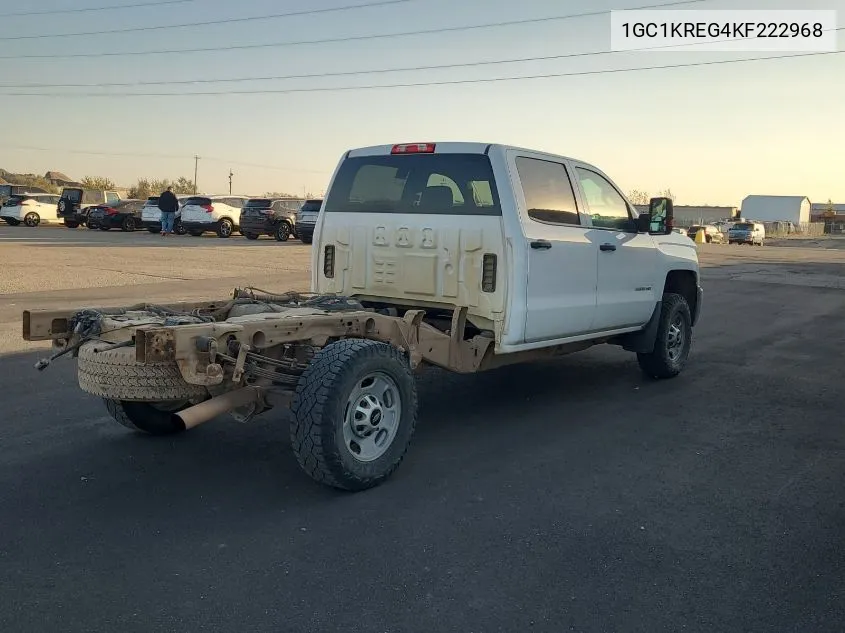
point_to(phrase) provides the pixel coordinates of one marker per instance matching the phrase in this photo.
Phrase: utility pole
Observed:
(230, 181)
(196, 164)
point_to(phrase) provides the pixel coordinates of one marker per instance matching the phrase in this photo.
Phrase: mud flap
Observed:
(642, 342)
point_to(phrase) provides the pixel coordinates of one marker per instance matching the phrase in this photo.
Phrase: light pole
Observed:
(196, 165)
(230, 181)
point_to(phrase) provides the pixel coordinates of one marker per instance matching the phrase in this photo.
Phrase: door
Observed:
(561, 292)
(626, 260)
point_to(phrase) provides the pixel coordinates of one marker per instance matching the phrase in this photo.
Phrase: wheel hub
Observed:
(372, 417)
(675, 339)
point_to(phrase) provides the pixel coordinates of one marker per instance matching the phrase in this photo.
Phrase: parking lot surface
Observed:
(572, 495)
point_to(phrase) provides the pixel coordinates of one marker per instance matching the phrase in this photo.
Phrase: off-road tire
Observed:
(659, 364)
(251, 236)
(115, 375)
(71, 224)
(318, 413)
(143, 417)
(12, 222)
(283, 232)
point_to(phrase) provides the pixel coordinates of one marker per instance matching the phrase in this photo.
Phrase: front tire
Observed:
(354, 414)
(12, 222)
(282, 232)
(152, 418)
(32, 219)
(128, 225)
(673, 342)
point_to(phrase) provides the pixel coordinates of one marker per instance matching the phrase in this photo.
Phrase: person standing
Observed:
(169, 205)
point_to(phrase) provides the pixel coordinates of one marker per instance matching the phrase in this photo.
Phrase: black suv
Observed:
(74, 204)
(269, 216)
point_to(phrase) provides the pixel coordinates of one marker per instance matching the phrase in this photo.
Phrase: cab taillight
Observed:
(328, 261)
(413, 148)
(488, 273)
(208, 208)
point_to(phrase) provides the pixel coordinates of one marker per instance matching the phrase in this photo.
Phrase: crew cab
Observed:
(269, 216)
(30, 208)
(75, 202)
(212, 214)
(464, 256)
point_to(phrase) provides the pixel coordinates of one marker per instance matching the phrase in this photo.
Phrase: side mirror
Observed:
(661, 216)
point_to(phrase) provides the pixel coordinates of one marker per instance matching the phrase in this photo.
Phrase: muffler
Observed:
(224, 403)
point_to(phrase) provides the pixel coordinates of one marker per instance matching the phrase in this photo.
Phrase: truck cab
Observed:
(541, 249)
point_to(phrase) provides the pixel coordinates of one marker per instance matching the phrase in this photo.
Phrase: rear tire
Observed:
(178, 228)
(354, 414)
(152, 418)
(673, 342)
(32, 219)
(71, 224)
(282, 232)
(12, 222)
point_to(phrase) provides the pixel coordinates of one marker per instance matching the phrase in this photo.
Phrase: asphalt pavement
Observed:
(572, 495)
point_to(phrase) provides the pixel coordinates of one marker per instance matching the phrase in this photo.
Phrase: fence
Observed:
(789, 229)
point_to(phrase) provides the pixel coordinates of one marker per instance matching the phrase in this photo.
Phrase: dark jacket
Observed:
(168, 202)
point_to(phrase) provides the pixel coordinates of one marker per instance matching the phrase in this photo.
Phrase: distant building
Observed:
(689, 215)
(820, 210)
(795, 209)
(58, 179)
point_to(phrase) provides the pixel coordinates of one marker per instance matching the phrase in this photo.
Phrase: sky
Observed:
(711, 134)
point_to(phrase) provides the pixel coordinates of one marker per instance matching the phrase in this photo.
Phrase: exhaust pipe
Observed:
(210, 409)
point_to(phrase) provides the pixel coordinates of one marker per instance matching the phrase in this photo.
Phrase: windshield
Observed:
(460, 184)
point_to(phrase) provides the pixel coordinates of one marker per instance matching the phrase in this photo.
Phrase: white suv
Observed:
(30, 208)
(151, 216)
(215, 214)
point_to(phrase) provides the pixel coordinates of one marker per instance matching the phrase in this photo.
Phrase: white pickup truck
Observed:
(465, 256)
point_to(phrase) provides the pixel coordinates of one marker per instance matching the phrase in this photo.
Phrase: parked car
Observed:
(747, 233)
(123, 214)
(7, 191)
(212, 214)
(74, 204)
(306, 219)
(31, 208)
(151, 216)
(269, 216)
(711, 233)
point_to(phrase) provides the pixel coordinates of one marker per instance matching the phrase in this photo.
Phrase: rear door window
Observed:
(456, 184)
(549, 196)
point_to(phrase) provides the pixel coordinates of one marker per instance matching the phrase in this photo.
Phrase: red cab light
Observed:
(208, 208)
(413, 148)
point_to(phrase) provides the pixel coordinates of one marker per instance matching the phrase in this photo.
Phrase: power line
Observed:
(272, 16)
(415, 84)
(351, 38)
(375, 71)
(112, 7)
(167, 156)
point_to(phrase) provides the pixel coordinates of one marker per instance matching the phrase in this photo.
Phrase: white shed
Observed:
(795, 209)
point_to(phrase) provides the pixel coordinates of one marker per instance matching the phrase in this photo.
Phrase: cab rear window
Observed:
(446, 184)
(198, 201)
